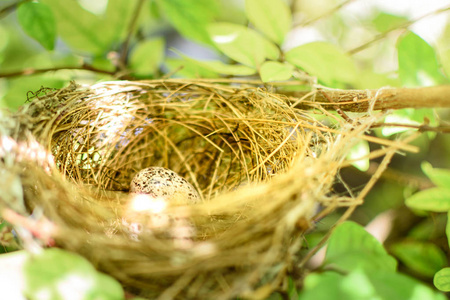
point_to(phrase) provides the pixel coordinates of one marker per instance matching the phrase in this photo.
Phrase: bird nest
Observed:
(264, 170)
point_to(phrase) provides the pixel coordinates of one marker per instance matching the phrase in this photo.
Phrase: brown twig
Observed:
(381, 99)
(401, 177)
(421, 128)
(326, 14)
(131, 28)
(358, 200)
(10, 8)
(27, 72)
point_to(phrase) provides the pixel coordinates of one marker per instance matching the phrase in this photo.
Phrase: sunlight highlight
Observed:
(75, 287)
(97, 7)
(223, 39)
(147, 203)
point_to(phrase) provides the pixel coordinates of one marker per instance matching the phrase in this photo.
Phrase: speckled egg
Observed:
(165, 183)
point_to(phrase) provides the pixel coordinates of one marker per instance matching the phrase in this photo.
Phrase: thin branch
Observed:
(10, 8)
(420, 128)
(400, 177)
(131, 29)
(28, 72)
(381, 99)
(401, 26)
(337, 108)
(359, 199)
(326, 14)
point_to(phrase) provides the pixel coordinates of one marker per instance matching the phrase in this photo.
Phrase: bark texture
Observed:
(381, 99)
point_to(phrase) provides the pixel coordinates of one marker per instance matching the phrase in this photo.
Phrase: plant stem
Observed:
(27, 72)
(381, 99)
(4, 11)
(131, 29)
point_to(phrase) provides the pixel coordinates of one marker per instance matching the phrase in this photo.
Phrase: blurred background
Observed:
(94, 33)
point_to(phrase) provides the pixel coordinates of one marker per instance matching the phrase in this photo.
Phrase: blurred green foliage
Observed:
(357, 267)
(118, 39)
(72, 274)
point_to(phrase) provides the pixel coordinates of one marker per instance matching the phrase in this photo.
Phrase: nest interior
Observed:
(261, 165)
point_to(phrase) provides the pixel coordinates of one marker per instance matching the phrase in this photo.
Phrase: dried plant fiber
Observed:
(261, 166)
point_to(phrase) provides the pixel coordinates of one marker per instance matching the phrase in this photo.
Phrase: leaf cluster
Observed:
(357, 266)
(118, 39)
(423, 257)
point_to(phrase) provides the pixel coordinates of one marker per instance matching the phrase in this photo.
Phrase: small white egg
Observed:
(163, 183)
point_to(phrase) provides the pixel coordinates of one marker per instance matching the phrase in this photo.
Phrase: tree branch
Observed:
(381, 99)
(131, 28)
(10, 8)
(326, 14)
(400, 177)
(420, 128)
(27, 72)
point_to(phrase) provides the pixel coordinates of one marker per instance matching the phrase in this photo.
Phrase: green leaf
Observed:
(37, 21)
(271, 17)
(4, 41)
(441, 280)
(116, 21)
(367, 285)
(447, 228)
(242, 44)
(351, 236)
(351, 246)
(189, 69)
(190, 17)
(399, 286)
(315, 283)
(428, 229)
(440, 177)
(220, 67)
(326, 61)
(103, 63)
(358, 285)
(434, 199)
(147, 56)
(322, 286)
(106, 287)
(352, 260)
(59, 274)
(292, 290)
(445, 58)
(417, 62)
(154, 10)
(95, 7)
(275, 71)
(384, 21)
(368, 79)
(359, 154)
(87, 32)
(423, 258)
